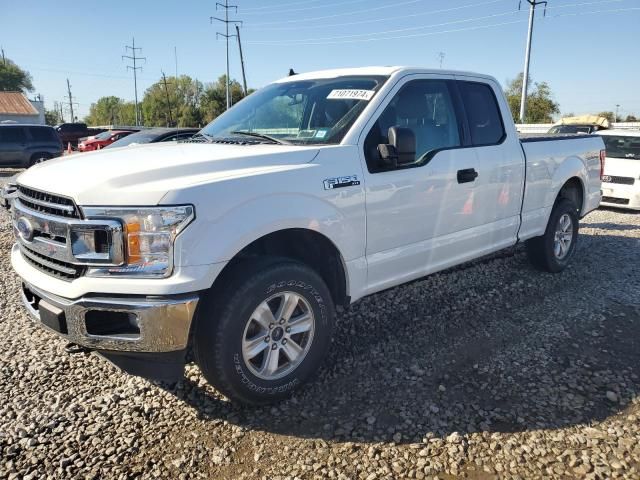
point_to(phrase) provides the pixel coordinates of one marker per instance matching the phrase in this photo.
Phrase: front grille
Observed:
(57, 268)
(616, 200)
(48, 203)
(621, 180)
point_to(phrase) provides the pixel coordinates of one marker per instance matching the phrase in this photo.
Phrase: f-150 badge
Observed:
(339, 182)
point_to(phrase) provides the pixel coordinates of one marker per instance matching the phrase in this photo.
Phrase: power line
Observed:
(397, 37)
(344, 14)
(398, 30)
(288, 10)
(134, 57)
(280, 5)
(331, 41)
(614, 10)
(386, 19)
(226, 35)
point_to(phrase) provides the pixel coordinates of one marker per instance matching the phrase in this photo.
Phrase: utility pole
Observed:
(226, 35)
(166, 92)
(134, 57)
(525, 78)
(244, 77)
(71, 102)
(58, 107)
(4, 60)
(441, 56)
(175, 56)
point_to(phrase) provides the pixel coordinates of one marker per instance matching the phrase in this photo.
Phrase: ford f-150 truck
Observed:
(237, 245)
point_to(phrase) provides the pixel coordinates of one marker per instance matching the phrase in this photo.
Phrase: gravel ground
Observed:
(488, 370)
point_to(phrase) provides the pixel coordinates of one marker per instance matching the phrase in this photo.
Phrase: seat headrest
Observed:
(409, 105)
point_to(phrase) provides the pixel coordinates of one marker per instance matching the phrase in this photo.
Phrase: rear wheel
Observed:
(553, 251)
(266, 332)
(39, 158)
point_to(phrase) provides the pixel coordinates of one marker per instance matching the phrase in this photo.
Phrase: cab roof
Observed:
(383, 71)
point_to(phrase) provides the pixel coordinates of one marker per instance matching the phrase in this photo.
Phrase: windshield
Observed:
(319, 111)
(140, 137)
(622, 146)
(571, 129)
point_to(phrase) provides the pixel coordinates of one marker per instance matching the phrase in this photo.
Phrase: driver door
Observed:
(414, 207)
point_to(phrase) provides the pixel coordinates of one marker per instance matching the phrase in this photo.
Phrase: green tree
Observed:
(631, 118)
(214, 97)
(540, 103)
(13, 78)
(176, 103)
(608, 115)
(111, 111)
(52, 117)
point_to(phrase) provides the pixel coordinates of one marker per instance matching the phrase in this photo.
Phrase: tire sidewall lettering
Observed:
(291, 381)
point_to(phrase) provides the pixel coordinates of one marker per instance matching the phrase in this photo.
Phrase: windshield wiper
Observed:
(199, 137)
(263, 136)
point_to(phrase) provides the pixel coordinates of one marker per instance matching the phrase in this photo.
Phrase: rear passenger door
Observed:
(497, 198)
(13, 146)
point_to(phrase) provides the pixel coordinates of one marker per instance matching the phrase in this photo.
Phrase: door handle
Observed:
(467, 175)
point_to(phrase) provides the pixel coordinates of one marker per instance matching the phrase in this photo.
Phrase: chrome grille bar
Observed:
(43, 203)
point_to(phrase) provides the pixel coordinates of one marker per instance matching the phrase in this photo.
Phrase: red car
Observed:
(102, 140)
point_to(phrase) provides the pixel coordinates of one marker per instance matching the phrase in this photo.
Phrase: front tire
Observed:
(37, 158)
(265, 332)
(552, 252)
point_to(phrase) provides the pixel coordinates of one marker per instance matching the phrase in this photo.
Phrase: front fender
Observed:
(214, 240)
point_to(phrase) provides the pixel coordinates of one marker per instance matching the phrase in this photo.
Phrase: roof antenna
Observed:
(291, 72)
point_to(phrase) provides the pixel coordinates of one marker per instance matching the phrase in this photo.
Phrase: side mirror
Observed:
(401, 149)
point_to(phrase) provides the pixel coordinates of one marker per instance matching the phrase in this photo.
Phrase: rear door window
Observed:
(12, 135)
(41, 134)
(483, 113)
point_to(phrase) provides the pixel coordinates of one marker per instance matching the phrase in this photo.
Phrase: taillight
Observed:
(603, 155)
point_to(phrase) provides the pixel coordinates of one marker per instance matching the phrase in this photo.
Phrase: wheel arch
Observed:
(307, 246)
(569, 181)
(574, 190)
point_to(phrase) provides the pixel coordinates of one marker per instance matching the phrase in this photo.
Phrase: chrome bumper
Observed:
(147, 324)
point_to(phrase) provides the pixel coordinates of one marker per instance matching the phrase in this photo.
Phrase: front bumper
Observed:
(115, 324)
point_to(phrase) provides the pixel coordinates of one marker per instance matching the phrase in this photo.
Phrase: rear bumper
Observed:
(621, 196)
(115, 324)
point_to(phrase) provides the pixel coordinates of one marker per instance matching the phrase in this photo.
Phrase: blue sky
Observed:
(587, 50)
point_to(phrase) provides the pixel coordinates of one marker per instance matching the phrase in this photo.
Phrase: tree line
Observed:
(169, 102)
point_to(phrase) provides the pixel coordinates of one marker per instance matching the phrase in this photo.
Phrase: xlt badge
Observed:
(339, 182)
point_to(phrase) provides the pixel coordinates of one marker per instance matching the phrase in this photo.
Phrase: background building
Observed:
(16, 107)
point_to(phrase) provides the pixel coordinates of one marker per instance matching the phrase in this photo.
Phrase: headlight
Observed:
(149, 234)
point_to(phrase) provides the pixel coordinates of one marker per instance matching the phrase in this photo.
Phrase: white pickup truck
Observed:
(312, 192)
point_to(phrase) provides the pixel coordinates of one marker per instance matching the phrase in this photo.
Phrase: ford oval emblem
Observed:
(25, 229)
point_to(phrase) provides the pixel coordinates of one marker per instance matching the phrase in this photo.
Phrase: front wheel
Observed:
(39, 158)
(265, 332)
(553, 251)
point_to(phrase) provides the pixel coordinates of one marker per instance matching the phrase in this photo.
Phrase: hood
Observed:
(143, 174)
(622, 167)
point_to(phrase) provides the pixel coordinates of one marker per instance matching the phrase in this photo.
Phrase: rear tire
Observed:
(552, 252)
(265, 332)
(39, 158)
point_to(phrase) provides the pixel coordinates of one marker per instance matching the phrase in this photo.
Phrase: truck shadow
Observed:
(491, 346)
